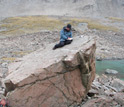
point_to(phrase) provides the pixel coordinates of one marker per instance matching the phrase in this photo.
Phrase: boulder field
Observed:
(52, 78)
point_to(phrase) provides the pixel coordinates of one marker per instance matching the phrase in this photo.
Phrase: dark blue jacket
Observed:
(64, 35)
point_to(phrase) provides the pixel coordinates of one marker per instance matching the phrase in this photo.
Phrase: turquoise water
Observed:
(117, 65)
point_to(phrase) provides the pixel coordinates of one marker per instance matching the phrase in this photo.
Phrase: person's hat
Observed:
(69, 26)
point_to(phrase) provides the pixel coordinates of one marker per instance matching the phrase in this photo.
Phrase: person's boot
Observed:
(54, 48)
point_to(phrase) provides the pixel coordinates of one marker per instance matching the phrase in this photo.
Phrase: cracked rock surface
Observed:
(52, 78)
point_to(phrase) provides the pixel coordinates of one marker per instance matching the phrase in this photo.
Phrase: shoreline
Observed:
(110, 68)
(114, 59)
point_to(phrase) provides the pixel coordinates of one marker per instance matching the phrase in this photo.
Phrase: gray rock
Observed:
(110, 71)
(1, 92)
(92, 92)
(118, 85)
(5, 65)
(98, 58)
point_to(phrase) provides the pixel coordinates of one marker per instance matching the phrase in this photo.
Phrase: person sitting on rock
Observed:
(65, 37)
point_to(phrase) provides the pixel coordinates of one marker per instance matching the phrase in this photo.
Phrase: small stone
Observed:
(5, 65)
(99, 59)
(81, 36)
(1, 92)
(1, 74)
(102, 48)
(92, 92)
(109, 93)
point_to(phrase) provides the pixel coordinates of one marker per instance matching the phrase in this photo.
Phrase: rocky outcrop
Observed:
(106, 91)
(48, 78)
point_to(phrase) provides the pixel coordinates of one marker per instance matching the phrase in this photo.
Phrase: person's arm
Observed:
(70, 36)
(63, 35)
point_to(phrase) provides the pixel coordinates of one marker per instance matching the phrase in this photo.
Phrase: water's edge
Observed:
(117, 65)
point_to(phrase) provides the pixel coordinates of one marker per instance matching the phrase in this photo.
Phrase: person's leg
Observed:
(68, 42)
(61, 44)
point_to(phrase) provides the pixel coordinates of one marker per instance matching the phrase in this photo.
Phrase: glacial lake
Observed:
(117, 65)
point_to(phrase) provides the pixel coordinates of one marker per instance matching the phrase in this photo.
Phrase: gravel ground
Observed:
(109, 44)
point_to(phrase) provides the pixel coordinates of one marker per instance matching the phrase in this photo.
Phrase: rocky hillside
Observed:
(88, 8)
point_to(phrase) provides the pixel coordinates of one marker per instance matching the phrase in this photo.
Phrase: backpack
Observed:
(4, 103)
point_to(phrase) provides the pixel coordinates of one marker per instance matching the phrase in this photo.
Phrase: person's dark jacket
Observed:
(64, 34)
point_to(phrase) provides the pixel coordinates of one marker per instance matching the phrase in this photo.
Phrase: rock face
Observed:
(86, 8)
(48, 78)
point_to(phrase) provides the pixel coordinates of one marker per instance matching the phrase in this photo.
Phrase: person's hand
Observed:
(70, 38)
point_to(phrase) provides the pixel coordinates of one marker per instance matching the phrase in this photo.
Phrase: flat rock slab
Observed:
(48, 78)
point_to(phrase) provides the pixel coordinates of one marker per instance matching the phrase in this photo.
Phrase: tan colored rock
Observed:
(119, 97)
(48, 78)
(101, 101)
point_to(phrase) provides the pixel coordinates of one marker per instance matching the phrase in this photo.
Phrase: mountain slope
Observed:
(88, 8)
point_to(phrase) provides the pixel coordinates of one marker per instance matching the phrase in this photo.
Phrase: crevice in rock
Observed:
(62, 93)
(37, 81)
(46, 97)
(10, 87)
(65, 84)
(68, 88)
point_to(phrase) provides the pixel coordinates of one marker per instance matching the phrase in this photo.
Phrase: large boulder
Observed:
(52, 78)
